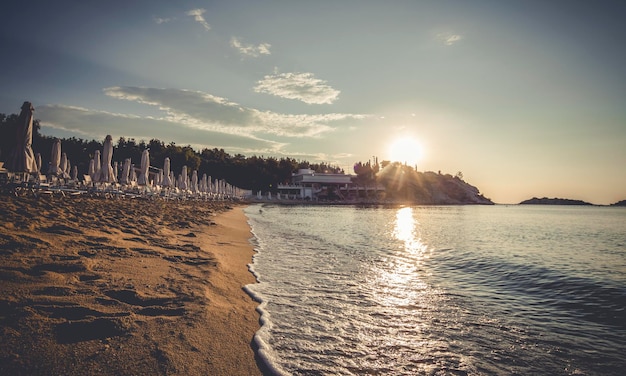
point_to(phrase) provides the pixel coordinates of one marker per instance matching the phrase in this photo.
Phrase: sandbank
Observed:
(94, 286)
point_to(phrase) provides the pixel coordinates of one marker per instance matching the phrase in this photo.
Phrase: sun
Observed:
(406, 150)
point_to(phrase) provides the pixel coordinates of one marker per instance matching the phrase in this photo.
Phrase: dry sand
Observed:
(93, 286)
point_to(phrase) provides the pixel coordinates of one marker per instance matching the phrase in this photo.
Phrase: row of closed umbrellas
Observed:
(101, 168)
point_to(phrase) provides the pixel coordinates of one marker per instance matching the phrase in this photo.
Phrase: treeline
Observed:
(255, 173)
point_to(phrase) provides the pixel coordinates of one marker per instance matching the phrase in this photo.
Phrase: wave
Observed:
(263, 350)
(599, 301)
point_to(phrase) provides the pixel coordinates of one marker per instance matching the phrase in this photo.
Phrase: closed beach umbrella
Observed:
(106, 174)
(184, 178)
(194, 181)
(167, 182)
(92, 169)
(115, 169)
(203, 183)
(55, 158)
(68, 168)
(125, 171)
(62, 165)
(38, 162)
(142, 179)
(75, 173)
(97, 165)
(22, 159)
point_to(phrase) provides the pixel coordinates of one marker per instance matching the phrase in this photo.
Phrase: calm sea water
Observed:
(455, 290)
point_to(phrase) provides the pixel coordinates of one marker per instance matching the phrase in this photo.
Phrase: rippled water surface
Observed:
(441, 290)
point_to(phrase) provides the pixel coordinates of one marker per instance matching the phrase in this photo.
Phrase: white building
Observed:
(308, 184)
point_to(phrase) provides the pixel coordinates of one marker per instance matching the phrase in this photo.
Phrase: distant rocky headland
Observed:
(405, 184)
(619, 203)
(553, 201)
(440, 189)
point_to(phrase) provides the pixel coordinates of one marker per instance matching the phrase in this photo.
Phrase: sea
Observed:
(440, 290)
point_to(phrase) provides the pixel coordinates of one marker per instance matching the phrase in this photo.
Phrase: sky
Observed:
(525, 98)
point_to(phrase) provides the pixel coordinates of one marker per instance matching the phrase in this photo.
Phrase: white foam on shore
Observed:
(262, 336)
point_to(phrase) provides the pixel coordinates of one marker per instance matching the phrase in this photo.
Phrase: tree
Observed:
(255, 172)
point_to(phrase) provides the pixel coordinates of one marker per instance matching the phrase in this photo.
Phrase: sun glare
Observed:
(405, 150)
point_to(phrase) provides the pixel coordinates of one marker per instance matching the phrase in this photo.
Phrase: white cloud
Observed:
(86, 123)
(342, 156)
(250, 49)
(205, 111)
(449, 38)
(197, 15)
(160, 20)
(301, 86)
(194, 118)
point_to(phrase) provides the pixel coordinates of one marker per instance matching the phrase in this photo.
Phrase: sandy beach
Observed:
(94, 286)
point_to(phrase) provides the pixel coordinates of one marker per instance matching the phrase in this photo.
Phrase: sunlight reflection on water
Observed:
(442, 290)
(398, 281)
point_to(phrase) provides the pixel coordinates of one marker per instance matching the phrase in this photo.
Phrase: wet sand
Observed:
(94, 286)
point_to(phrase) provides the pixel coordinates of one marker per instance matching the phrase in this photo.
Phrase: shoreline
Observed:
(400, 203)
(93, 286)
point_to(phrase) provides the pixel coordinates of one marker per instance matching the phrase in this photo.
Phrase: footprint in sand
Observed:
(62, 230)
(86, 330)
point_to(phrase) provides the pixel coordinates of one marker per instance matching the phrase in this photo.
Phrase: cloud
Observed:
(197, 15)
(205, 111)
(250, 49)
(201, 120)
(89, 124)
(160, 20)
(301, 86)
(342, 156)
(449, 38)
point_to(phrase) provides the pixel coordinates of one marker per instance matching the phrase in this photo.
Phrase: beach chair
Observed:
(87, 183)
